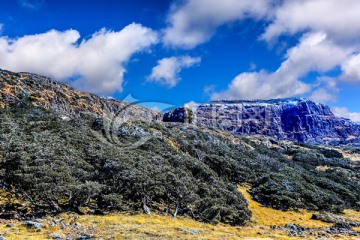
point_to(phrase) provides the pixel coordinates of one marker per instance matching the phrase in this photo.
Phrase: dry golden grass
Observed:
(154, 226)
(265, 216)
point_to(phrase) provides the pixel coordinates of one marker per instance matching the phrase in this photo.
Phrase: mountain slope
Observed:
(50, 94)
(90, 164)
(285, 119)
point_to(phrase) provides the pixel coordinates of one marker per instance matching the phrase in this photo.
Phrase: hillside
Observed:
(49, 94)
(60, 156)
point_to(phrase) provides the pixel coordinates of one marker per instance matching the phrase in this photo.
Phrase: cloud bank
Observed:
(339, 19)
(329, 40)
(315, 52)
(95, 64)
(167, 70)
(196, 21)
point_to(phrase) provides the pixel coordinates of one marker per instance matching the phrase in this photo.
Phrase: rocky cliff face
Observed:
(285, 119)
(16, 88)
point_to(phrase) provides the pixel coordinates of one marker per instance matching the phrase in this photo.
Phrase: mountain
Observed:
(47, 93)
(62, 150)
(292, 119)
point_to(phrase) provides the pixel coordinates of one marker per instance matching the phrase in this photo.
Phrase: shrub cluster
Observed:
(61, 165)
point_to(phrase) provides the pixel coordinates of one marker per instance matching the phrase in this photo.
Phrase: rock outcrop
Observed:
(16, 88)
(293, 119)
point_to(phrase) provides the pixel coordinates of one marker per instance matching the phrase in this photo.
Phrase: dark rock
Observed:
(331, 218)
(86, 236)
(191, 231)
(354, 224)
(99, 212)
(54, 236)
(295, 230)
(344, 225)
(325, 217)
(181, 114)
(342, 228)
(30, 224)
(98, 124)
(284, 119)
(339, 230)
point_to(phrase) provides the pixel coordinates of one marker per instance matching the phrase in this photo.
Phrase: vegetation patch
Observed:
(59, 165)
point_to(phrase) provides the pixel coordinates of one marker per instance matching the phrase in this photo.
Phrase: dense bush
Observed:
(282, 178)
(61, 165)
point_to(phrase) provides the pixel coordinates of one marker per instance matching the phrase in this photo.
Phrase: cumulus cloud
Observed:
(344, 112)
(323, 96)
(315, 52)
(261, 85)
(339, 19)
(95, 64)
(167, 70)
(196, 21)
(351, 69)
(330, 39)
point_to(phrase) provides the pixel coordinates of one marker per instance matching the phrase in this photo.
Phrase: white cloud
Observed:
(351, 69)
(331, 38)
(323, 96)
(191, 105)
(167, 70)
(261, 85)
(344, 112)
(95, 64)
(339, 19)
(315, 52)
(32, 4)
(197, 20)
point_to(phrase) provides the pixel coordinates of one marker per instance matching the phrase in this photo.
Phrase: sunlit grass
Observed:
(155, 226)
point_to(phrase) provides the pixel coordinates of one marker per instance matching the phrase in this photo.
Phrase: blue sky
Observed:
(175, 52)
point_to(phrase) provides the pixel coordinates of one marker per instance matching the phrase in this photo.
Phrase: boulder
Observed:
(30, 224)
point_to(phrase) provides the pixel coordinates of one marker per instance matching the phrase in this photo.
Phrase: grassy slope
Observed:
(141, 226)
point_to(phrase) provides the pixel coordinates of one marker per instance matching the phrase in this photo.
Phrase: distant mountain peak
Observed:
(296, 119)
(269, 101)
